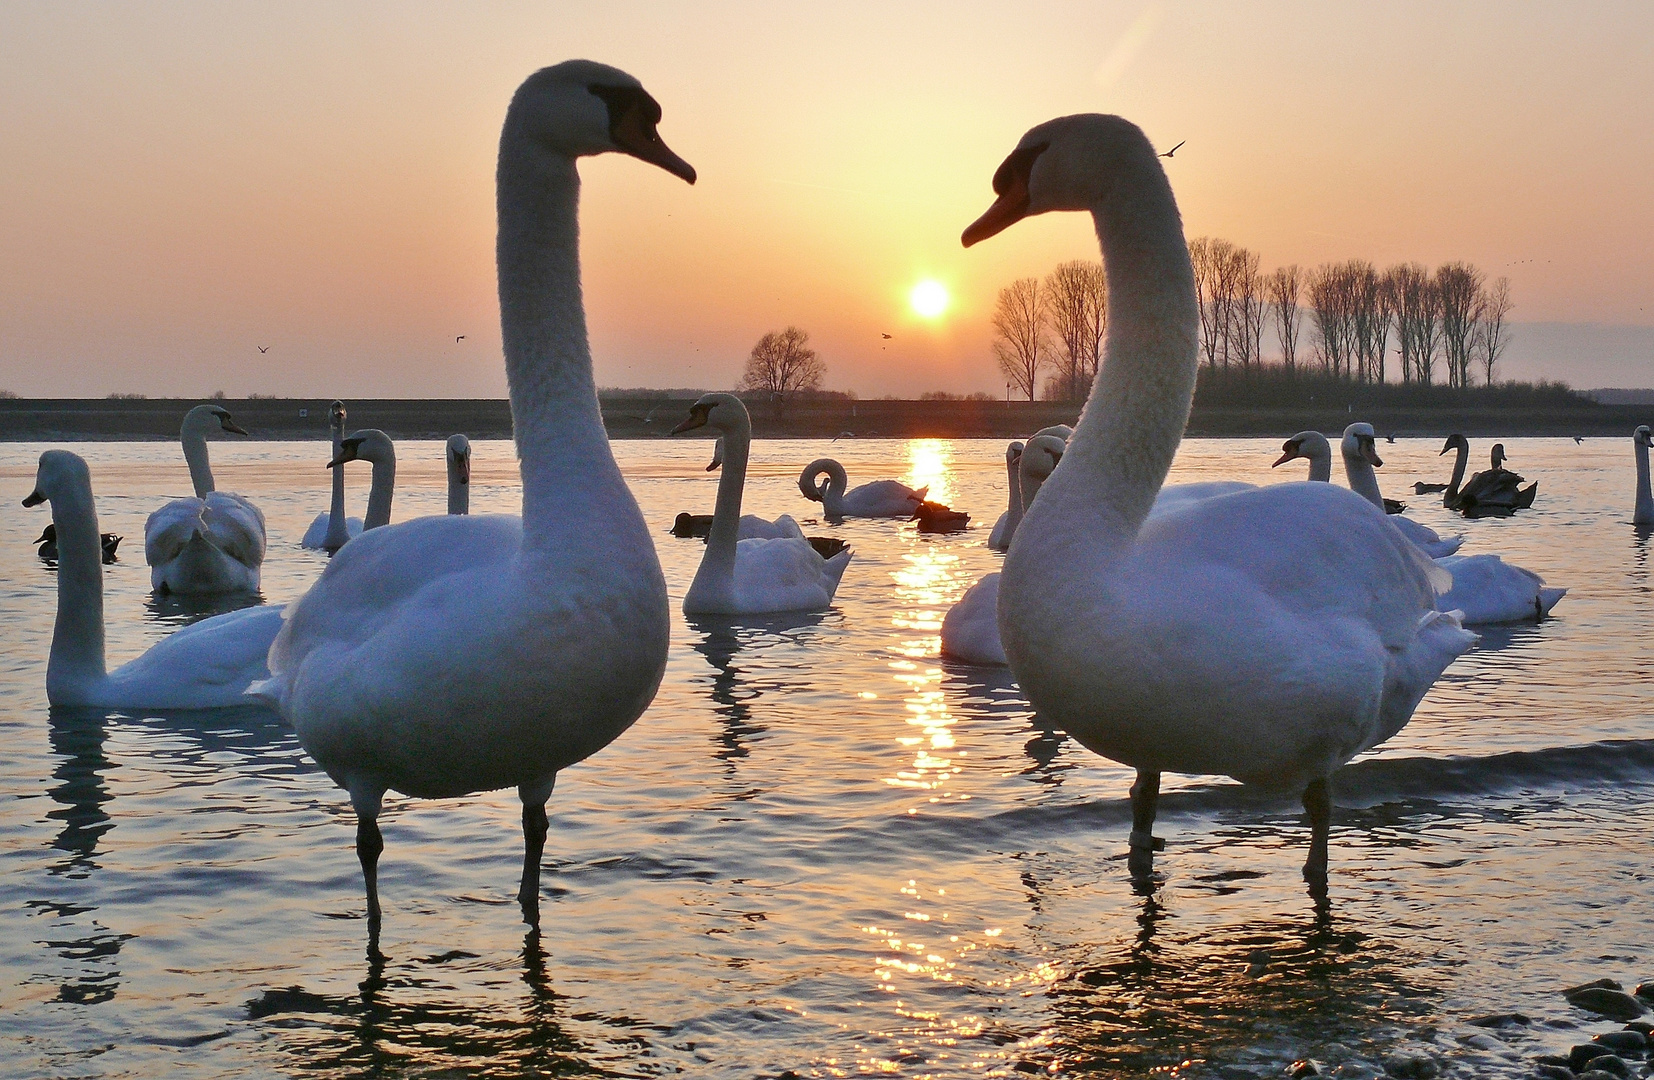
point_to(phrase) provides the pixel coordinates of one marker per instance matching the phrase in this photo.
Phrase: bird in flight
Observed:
(264, 348)
(885, 336)
(459, 339)
(1174, 149)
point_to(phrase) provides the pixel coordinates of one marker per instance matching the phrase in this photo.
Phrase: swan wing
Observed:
(753, 527)
(315, 536)
(996, 538)
(168, 529)
(1486, 589)
(783, 575)
(234, 526)
(883, 498)
(970, 629)
(208, 664)
(1425, 538)
(1180, 495)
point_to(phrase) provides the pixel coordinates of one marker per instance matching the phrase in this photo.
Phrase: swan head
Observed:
(1013, 453)
(1499, 455)
(459, 458)
(369, 444)
(1454, 441)
(1642, 436)
(1359, 445)
(1070, 163)
(579, 108)
(724, 413)
(1059, 431)
(1295, 447)
(1041, 456)
(336, 417)
(205, 418)
(59, 473)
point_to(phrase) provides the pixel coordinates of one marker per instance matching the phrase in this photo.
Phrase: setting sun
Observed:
(929, 298)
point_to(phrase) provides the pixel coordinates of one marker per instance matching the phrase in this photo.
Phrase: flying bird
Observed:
(459, 339)
(264, 348)
(1174, 149)
(885, 336)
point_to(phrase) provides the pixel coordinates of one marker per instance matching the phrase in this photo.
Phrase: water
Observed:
(821, 850)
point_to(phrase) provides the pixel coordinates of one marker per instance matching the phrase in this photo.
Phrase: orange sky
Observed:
(183, 182)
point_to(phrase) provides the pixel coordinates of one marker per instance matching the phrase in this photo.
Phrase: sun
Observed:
(929, 298)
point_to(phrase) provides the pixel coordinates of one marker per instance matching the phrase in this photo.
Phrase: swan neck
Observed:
(1362, 480)
(1013, 511)
(1320, 467)
(557, 423)
(337, 531)
(76, 660)
(195, 455)
(717, 569)
(1133, 422)
(1645, 501)
(459, 495)
(837, 482)
(1459, 464)
(379, 497)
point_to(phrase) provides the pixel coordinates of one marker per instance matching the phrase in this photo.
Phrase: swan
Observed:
(206, 665)
(756, 576)
(879, 499)
(1644, 513)
(449, 655)
(1360, 455)
(1269, 634)
(323, 534)
(459, 474)
(752, 526)
(213, 542)
(1497, 492)
(1313, 447)
(47, 540)
(1450, 490)
(1486, 589)
(970, 629)
(373, 445)
(1006, 527)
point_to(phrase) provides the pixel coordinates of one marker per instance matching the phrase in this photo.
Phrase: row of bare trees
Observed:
(1054, 325)
(1453, 318)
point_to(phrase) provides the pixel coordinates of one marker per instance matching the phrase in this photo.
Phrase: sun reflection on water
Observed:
(929, 464)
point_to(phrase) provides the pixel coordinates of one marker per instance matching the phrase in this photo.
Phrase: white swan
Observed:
(1360, 454)
(214, 541)
(1006, 527)
(459, 474)
(373, 445)
(757, 576)
(1313, 447)
(970, 629)
(752, 526)
(1644, 512)
(448, 655)
(1486, 589)
(323, 534)
(879, 499)
(1269, 634)
(206, 665)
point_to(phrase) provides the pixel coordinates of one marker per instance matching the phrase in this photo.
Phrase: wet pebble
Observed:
(1610, 1064)
(1614, 1004)
(1304, 1067)
(1643, 1026)
(1500, 1020)
(1411, 1065)
(1594, 984)
(1620, 1041)
(1553, 1072)
(1584, 1052)
(1598, 1074)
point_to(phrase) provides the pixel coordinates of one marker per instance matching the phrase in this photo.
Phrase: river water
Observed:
(822, 850)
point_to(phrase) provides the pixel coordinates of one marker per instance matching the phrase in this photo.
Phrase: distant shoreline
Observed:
(637, 417)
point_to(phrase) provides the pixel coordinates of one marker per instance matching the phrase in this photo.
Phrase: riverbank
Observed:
(639, 417)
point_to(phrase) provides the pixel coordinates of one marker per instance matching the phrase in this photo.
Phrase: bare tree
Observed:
(1211, 258)
(1247, 308)
(781, 364)
(1096, 322)
(1491, 334)
(1329, 305)
(1019, 334)
(1459, 286)
(1073, 295)
(1284, 287)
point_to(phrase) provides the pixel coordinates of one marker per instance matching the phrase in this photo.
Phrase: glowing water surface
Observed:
(822, 850)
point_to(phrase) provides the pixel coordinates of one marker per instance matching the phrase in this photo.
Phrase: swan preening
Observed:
(206, 665)
(758, 575)
(212, 542)
(1643, 514)
(458, 453)
(449, 655)
(330, 529)
(1269, 634)
(1360, 456)
(374, 446)
(881, 498)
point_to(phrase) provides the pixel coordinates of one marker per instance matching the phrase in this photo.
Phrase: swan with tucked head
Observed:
(448, 655)
(1643, 514)
(1360, 454)
(459, 474)
(878, 499)
(1268, 634)
(212, 542)
(331, 529)
(206, 665)
(758, 575)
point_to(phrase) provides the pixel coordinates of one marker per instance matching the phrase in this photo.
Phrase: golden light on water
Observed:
(929, 298)
(930, 464)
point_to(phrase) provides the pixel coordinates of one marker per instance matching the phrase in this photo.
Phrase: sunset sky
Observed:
(181, 183)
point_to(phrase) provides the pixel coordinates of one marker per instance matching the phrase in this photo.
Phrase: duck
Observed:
(1498, 492)
(1311, 446)
(109, 542)
(752, 527)
(1006, 527)
(1269, 634)
(212, 542)
(1360, 457)
(970, 628)
(448, 655)
(879, 499)
(323, 534)
(206, 665)
(935, 517)
(458, 453)
(759, 575)
(374, 446)
(1643, 513)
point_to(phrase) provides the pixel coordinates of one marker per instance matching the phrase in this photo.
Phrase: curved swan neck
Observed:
(562, 447)
(1133, 421)
(1458, 470)
(1320, 462)
(195, 454)
(1645, 501)
(379, 498)
(76, 659)
(717, 569)
(832, 499)
(1358, 471)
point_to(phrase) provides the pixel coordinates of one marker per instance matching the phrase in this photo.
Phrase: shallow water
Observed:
(821, 849)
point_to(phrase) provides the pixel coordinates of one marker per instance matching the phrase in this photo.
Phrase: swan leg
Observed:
(1145, 794)
(1318, 805)
(535, 826)
(369, 844)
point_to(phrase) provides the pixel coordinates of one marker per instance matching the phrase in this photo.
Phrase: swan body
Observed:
(206, 665)
(375, 447)
(448, 655)
(752, 527)
(1498, 492)
(323, 534)
(1360, 455)
(1006, 527)
(879, 499)
(1643, 514)
(758, 575)
(1487, 589)
(212, 542)
(458, 453)
(1268, 634)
